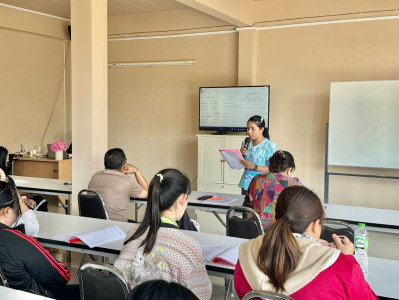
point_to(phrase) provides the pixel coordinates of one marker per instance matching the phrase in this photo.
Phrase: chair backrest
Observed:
(248, 226)
(102, 282)
(91, 205)
(3, 280)
(339, 228)
(266, 296)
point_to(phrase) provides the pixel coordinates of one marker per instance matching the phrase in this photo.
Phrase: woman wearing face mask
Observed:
(256, 151)
(158, 249)
(26, 265)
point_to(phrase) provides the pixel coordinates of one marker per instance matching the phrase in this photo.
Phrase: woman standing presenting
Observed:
(256, 151)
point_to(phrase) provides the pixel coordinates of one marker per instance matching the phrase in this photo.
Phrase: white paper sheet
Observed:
(233, 157)
(94, 238)
(218, 254)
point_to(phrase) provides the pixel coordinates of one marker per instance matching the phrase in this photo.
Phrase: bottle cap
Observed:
(361, 225)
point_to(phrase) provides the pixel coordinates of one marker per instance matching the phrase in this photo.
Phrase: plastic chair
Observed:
(339, 228)
(3, 280)
(91, 205)
(265, 296)
(102, 282)
(244, 227)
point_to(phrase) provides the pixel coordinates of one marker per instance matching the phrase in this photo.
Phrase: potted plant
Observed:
(58, 148)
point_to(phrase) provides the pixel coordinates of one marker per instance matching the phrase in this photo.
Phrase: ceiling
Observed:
(61, 8)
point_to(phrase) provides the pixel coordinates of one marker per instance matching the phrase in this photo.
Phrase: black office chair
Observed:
(102, 282)
(91, 205)
(339, 228)
(265, 296)
(248, 226)
(3, 280)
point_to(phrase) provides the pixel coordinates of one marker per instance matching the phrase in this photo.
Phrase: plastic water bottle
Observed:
(361, 247)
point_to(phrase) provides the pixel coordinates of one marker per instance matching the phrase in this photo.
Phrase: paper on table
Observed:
(94, 238)
(216, 254)
(221, 200)
(233, 157)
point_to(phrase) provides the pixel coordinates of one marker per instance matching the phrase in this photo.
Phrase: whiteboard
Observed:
(364, 124)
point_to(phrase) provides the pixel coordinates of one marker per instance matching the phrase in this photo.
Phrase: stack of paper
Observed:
(220, 200)
(216, 254)
(93, 238)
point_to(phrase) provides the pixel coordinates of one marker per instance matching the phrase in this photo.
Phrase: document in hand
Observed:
(93, 238)
(216, 254)
(233, 157)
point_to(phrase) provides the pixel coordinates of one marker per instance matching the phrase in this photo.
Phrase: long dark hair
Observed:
(161, 290)
(9, 197)
(281, 161)
(296, 208)
(3, 160)
(166, 186)
(260, 122)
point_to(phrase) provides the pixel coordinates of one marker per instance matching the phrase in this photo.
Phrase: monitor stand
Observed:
(220, 132)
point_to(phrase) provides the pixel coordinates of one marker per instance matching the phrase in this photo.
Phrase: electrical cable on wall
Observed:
(56, 98)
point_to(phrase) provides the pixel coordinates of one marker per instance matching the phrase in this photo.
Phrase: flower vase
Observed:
(59, 155)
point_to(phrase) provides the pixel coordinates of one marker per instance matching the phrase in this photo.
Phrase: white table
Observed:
(11, 294)
(384, 220)
(383, 273)
(194, 203)
(46, 186)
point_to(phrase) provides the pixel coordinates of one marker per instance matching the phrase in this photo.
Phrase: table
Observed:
(383, 220)
(383, 273)
(194, 203)
(43, 168)
(46, 186)
(11, 294)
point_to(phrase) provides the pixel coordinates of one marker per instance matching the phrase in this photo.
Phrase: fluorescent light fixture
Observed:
(154, 63)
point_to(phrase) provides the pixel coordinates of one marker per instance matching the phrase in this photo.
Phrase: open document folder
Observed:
(217, 254)
(93, 238)
(233, 158)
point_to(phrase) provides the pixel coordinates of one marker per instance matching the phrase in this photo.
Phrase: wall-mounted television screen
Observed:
(229, 108)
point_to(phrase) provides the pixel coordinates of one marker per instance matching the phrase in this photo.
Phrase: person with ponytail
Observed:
(157, 249)
(26, 265)
(256, 150)
(265, 188)
(290, 259)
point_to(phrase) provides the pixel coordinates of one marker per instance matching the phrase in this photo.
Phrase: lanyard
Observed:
(168, 221)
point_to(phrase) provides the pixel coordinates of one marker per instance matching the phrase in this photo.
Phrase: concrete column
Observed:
(89, 91)
(247, 56)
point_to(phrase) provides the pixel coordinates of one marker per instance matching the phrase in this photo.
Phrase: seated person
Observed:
(264, 189)
(161, 290)
(116, 186)
(290, 259)
(26, 265)
(157, 249)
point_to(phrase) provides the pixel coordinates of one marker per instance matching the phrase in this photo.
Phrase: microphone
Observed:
(247, 140)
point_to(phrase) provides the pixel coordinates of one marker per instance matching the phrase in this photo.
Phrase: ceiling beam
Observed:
(235, 12)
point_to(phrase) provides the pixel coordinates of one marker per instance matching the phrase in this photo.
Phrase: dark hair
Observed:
(3, 160)
(9, 197)
(278, 256)
(114, 159)
(260, 122)
(161, 290)
(163, 192)
(281, 161)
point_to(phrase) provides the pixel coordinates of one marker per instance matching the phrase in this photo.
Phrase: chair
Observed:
(244, 227)
(339, 228)
(102, 282)
(3, 280)
(265, 296)
(91, 205)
